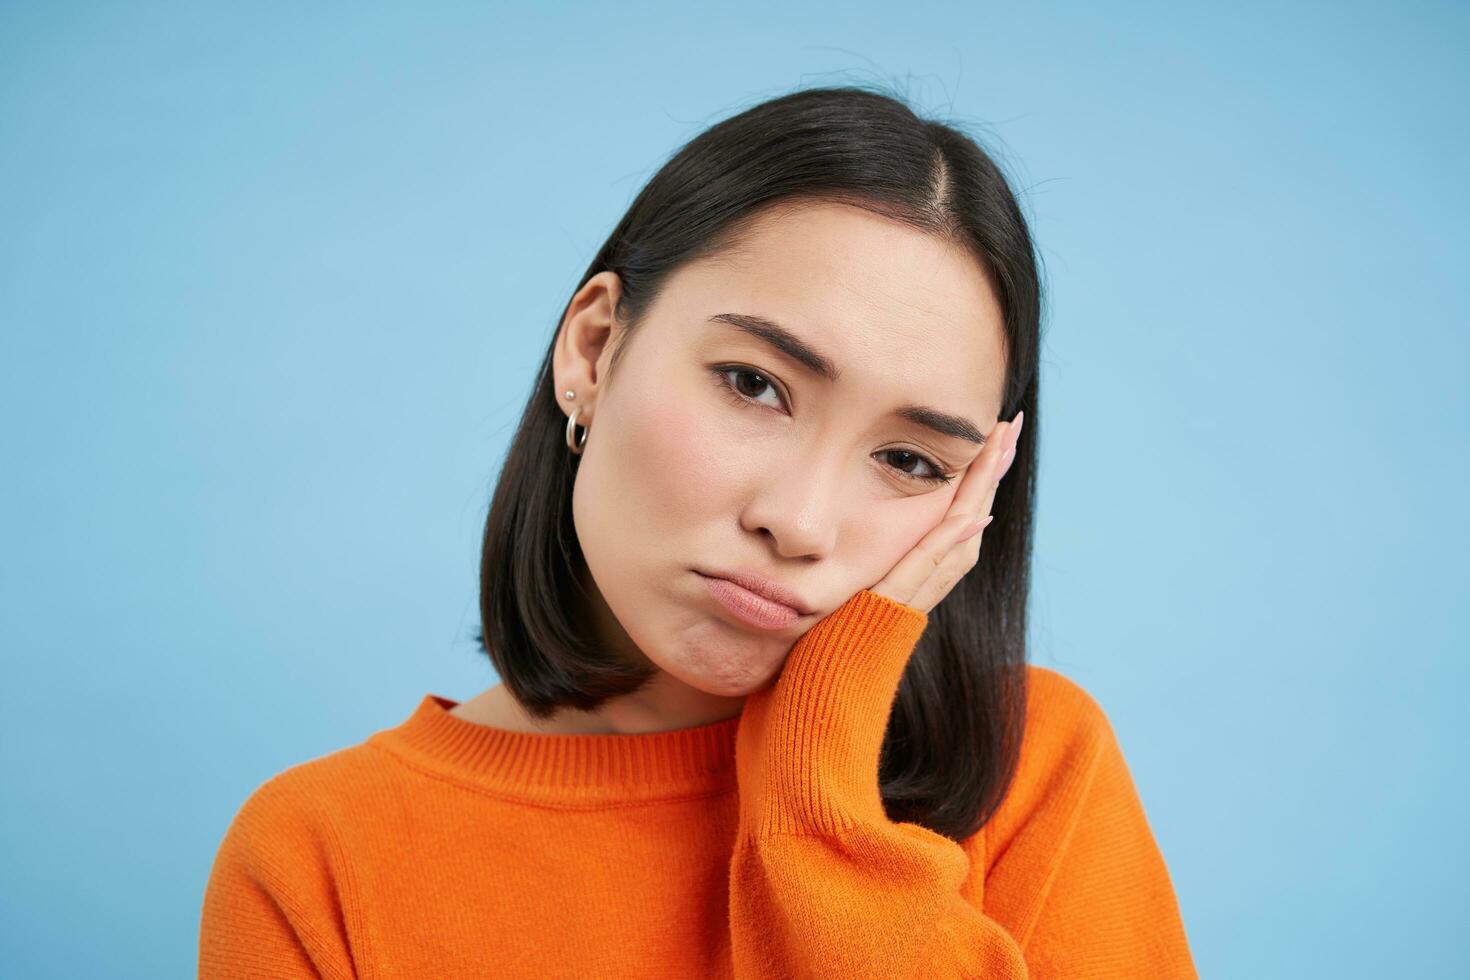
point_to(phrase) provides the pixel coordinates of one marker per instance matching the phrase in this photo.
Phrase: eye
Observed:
(756, 381)
(737, 389)
(936, 475)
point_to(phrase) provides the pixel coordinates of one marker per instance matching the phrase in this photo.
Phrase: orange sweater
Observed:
(754, 848)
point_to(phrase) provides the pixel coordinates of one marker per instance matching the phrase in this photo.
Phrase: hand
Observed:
(942, 557)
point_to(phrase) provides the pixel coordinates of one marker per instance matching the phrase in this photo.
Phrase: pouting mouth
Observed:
(762, 586)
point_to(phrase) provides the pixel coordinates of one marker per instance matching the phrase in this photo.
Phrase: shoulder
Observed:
(282, 877)
(1067, 739)
(291, 821)
(1072, 867)
(1062, 717)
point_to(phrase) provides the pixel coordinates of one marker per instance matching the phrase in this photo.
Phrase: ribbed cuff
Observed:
(808, 747)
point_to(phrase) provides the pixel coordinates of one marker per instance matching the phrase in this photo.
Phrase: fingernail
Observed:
(1005, 464)
(976, 528)
(1013, 434)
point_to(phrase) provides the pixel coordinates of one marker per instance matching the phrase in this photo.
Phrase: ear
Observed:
(584, 343)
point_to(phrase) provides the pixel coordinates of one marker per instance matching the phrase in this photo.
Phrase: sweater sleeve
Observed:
(270, 906)
(822, 883)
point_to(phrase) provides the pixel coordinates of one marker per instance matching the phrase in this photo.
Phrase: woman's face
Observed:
(710, 449)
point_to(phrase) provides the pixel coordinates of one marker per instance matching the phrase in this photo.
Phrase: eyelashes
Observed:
(737, 397)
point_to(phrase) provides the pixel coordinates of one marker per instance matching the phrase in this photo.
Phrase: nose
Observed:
(798, 506)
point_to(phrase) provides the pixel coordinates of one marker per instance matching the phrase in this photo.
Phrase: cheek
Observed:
(889, 530)
(688, 469)
(657, 471)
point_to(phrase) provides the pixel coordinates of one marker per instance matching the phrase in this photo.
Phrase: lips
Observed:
(764, 587)
(749, 607)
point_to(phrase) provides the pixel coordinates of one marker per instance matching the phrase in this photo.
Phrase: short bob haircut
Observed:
(953, 737)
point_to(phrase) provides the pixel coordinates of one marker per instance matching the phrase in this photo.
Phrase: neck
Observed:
(663, 704)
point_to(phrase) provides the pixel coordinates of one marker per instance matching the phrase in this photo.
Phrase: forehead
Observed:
(897, 309)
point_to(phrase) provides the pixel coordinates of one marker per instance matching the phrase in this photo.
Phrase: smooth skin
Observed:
(709, 448)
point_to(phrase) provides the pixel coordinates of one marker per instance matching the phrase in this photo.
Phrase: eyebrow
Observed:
(788, 343)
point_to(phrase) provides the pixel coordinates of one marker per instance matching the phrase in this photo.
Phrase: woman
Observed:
(764, 712)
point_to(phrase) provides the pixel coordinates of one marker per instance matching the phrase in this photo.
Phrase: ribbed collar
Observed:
(568, 771)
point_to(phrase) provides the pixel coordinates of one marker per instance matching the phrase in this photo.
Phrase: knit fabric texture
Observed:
(753, 848)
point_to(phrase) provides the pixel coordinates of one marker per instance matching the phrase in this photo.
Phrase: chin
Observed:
(729, 677)
(734, 690)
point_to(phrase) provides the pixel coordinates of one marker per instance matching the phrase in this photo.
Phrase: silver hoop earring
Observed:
(574, 444)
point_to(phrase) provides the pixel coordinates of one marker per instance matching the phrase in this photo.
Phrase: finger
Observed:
(914, 571)
(975, 529)
(977, 489)
(966, 549)
(942, 556)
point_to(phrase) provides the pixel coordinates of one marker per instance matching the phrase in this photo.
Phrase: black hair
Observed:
(953, 737)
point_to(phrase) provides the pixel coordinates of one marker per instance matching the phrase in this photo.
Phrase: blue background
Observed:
(275, 279)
